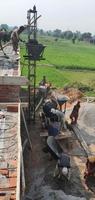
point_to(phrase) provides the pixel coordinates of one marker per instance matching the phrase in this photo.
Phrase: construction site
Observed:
(27, 167)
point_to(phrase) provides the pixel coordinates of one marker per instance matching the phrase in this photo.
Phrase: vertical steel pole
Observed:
(35, 37)
(29, 33)
(32, 66)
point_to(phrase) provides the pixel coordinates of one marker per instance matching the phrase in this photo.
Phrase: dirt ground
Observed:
(40, 184)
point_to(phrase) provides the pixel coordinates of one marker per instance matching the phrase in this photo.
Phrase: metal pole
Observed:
(35, 37)
(29, 33)
(32, 65)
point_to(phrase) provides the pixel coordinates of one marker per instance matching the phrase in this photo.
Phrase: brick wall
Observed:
(9, 93)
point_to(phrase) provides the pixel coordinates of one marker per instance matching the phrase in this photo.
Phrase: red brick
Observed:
(4, 172)
(12, 182)
(12, 174)
(12, 108)
(13, 197)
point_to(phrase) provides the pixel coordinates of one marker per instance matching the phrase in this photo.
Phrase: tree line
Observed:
(57, 33)
(69, 35)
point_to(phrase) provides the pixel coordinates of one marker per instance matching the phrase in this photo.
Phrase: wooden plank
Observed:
(62, 135)
(44, 134)
(19, 157)
(81, 140)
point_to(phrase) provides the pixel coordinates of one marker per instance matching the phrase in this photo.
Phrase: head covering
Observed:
(78, 102)
(22, 27)
(53, 110)
(65, 171)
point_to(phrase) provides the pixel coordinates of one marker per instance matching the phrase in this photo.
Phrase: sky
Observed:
(74, 15)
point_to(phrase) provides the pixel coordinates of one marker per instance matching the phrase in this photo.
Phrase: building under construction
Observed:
(26, 172)
(12, 177)
(11, 156)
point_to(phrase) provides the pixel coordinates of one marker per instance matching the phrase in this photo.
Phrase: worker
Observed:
(44, 87)
(53, 125)
(61, 118)
(43, 81)
(90, 167)
(15, 38)
(56, 122)
(74, 114)
(63, 166)
(49, 104)
(4, 37)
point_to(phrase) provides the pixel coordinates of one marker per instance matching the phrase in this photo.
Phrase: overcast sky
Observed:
(62, 14)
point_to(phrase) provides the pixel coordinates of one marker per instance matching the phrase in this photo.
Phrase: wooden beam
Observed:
(81, 140)
(61, 136)
(19, 156)
(22, 178)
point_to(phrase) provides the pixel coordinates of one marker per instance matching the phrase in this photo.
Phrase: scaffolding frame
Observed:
(32, 30)
(35, 53)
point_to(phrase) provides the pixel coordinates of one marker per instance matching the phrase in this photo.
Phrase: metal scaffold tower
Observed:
(34, 53)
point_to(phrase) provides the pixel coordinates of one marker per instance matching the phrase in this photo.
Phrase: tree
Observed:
(4, 26)
(78, 35)
(41, 32)
(68, 35)
(86, 36)
(57, 33)
(49, 33)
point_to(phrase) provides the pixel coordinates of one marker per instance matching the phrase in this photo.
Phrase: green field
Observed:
(63, 53)
(66, 63)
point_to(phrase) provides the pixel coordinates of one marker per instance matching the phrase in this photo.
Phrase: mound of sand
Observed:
(73, 93)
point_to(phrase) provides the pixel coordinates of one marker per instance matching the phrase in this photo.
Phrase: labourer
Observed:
(15, 38)
(49, 103)
(90, 167)
(43, 81)
(44, 87)
(53, 125)
(63, 166)
(57, 122)
(61, 118)
(74, 114)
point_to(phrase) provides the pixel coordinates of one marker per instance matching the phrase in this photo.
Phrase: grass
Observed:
(62, 55)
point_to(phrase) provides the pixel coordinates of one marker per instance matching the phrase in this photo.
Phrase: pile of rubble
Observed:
(72, 93)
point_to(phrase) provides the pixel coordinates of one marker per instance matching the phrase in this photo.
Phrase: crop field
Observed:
(65, 63)
(65, 54)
